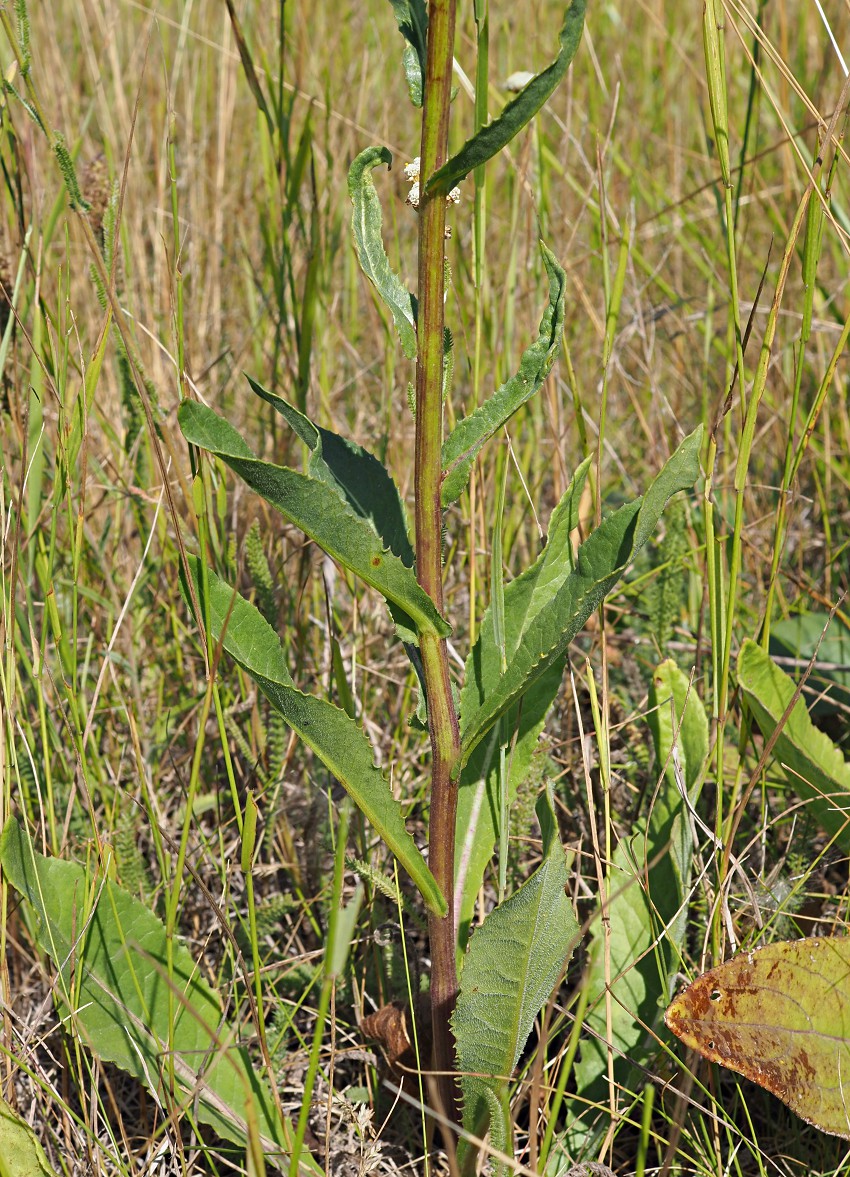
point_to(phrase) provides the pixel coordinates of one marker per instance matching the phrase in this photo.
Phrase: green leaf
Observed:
(320, 511)
(21, 1154)
(354, 473)
(478, 806)
(359, 478)
(115, 988)
(647, 885)
(827, 689)
(491, 139)
(412, 19)
(335, 738)
(467, 438)
(602, 559)
(815, 768)
(366, 227)
(780, 1015)
(514, 961)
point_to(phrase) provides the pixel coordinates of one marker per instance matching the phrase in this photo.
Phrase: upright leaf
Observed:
(514, 961)
(478, 810)
(335, 738)
(647, 886)
(412, 19)
(321, 511)
(366, 227)
(468, 436)
(116, 987)
(602, 560)
(814, 766)
(497, 134)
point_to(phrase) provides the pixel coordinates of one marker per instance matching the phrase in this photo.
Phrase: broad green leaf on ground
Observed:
(21, 1154)
(470, 434)
(115, 989)
(320, 511)
(602, 559)
(336, 739)
(827, 688)
(366, 227)
(478, 805)
(815, 768)
(412, 19)
(648, 886)
(497, 134)
(514, 961)
(780, 1015)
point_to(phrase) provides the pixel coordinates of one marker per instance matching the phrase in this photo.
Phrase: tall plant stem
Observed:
(442, 717)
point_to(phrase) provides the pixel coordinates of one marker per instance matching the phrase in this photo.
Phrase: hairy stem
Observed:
(442, 717)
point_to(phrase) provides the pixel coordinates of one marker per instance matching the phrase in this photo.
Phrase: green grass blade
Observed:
(491, 139)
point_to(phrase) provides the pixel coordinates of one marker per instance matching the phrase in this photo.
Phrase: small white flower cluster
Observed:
(411, 173)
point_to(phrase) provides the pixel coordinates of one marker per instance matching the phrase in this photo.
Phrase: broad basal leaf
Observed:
(468, 436)
(320, 511)
(814, 766)
(602, 559)
(514, 960)
(827, 689)
(335, 738)
(115, 987)
(21, 1154)
(478, 806)
(780, 1015)
(497, 134)
(366, 227)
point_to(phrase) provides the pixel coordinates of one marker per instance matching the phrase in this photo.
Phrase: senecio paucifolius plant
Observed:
(482, 735)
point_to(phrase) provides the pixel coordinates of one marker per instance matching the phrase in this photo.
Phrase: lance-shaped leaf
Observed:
(602, 559)
(814, 766)
(491, 139)
(366, 227)
(478, 802)
(412, 19)
(118, 992)
(514, 961)
(320, 511)
(353, 472)
(362, 480)
(335, 738)
(780, 1015)
(467, 438)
